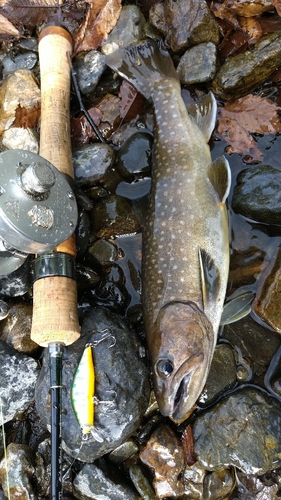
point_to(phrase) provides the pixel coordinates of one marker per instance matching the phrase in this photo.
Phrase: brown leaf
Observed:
(101, 17)
(80, 129)
(7, 28)
(277, 5)
(131, 103)
(249, 114)
(251, 27)
(246, 8)
(188, 446)
(27, 117)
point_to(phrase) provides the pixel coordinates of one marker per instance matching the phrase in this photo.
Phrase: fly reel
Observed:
(38, 209)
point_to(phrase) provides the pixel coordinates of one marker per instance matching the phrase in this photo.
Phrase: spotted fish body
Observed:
(185, 238)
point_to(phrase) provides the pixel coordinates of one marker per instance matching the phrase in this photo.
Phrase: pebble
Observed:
(219, 484)
(267, 304)
(93, 483)
(256, 488)
(198, 64)
(102, 252)
(92, 164)
(28, 60)
(18, 376)
(112, 291)
(83, 232)
(21, 138)
(17, 282)
(124, 451)
(243, 430)
(21, 88)
(222, 376)
(243, 73)
(134, 156)
(257, 194)
(89, 67)
(16, 328)
(141, 483)
(184, 23)
(113, 216)
(163, 454)
(122, 385)
(193, 477)
(128, 30)
(4, 309)
(21, 468)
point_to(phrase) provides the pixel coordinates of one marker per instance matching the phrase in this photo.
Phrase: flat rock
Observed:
(198, 64)
(243, 430)
(89, 67)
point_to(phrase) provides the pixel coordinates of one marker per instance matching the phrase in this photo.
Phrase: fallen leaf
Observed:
(234, 42)
(101, 17)
(7, 28)
(251, 27)
(188, 446)
(131, 103)
(27, 118)
(248, 115)
(81, 130)
(246, 8)
(277, 5)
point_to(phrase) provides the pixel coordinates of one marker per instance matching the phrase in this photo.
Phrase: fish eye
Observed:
(164, 368)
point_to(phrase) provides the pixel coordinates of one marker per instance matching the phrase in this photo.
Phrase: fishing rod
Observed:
(55, 315)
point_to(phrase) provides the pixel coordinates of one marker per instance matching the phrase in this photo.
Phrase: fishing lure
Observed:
(83, 389)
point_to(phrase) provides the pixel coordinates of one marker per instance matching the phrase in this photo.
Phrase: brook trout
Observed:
(185, 238)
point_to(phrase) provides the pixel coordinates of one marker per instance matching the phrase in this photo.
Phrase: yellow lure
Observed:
(83, 391)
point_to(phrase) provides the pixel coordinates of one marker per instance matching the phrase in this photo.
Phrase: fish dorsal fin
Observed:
(219, 175)
(210, 279)
(204, 113)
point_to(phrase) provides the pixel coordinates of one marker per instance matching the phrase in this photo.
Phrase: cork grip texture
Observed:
(55, 317)
(55, 314)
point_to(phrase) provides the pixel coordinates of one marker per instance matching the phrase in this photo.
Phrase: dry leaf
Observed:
(277, 5)
(249, 114)
(246, 8)
(101, 17)
(188, 446)
(7, 28)
(27, 118)
(251, 27)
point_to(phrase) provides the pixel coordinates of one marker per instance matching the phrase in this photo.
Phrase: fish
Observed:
(185, 255)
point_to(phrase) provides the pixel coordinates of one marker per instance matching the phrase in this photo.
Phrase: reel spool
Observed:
(38, 209)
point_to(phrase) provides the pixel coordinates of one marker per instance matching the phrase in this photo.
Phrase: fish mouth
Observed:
(191, 379)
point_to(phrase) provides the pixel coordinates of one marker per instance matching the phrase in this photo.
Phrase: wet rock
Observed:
(89, 67)
(15, 329)
(255, 487)
(257, 194)
(113, 216)
(222, 375)
(92, 163)
(134, 156)
(122, 385)
(267, 302)
(198, 64)
(124, 451)
(4, 309)
(83, 231)
(112, 290)
(20, 464)
(102, 252)
(193, 482)
(242, 73)
(141, 483)
(21, 88)
(128, 29)
(28, 44)
(134, 190)
(219, 484)
(86, 278)
(18, 282)
(28, 60)
(93, 484)
(21, 138)
(18, 376)
(184, 23)
(164, 455)
(243, 430)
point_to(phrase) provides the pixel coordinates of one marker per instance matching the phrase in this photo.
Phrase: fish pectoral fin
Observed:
(219, 175)
(204, 113)
(210, 278)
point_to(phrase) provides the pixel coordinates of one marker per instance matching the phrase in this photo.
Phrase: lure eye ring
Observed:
(164, 368)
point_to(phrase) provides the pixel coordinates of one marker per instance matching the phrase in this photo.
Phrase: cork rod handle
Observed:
(55, 316)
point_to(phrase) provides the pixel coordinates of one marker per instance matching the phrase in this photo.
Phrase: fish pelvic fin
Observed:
(219, 175)
(210, 278)
(143, 65)
(204, 113)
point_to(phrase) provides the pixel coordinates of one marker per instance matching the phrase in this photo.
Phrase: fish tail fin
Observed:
(143, 65)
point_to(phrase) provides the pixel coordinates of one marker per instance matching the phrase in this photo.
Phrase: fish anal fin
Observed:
(210, 278)
(204, 113)
(219, 175)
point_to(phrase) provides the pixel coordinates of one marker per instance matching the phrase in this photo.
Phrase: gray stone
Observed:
(92, 163)
(141, 483)
(21, 138)
(128, 29)
(18, 376)
(89, 67)
(21, 466)
(198, 64)
(243, 430)
(257, 194)
(27, 61)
